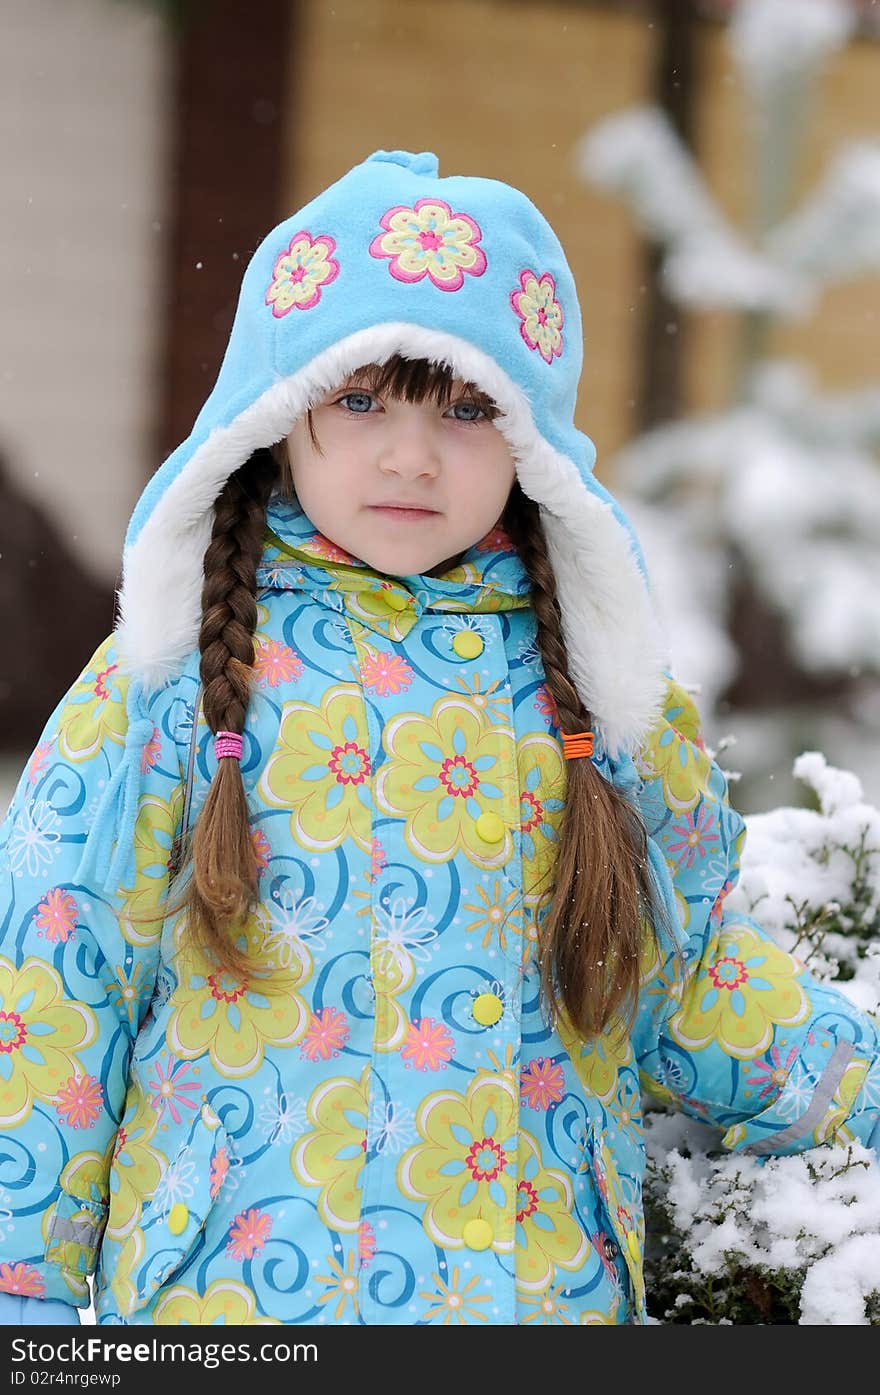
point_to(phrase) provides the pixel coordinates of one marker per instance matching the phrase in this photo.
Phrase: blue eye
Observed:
(357, 401)
(467, 411)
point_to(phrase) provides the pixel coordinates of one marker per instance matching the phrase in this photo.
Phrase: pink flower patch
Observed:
(101, 690)
(326, 1035)
(248, 1234)
(13, 1033)
(385, 674)
(527, 1201)
(430, 240)
(541, 1083)
(151, 752)
(496, 540)
(300, 272)
(38, 760)
(349, 763)
(546, 705)
(56, 915)
(428, 1045)
(170, 1090)
(219, 1171)
(694, 836)
(79, 1101)
(22, 1280)
(458, 777)
(366, 1244)
(773, 1072)
(319, 546)
(717, 912)
(485, 1160)
(276, 663)
(377, 859)
(728, 973)
(540, 314)
(531, 812)
(262, 848)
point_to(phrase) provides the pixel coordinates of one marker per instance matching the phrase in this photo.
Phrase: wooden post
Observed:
(230, 88)
(664, 326)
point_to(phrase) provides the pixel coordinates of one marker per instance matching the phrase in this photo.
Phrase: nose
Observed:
(409, 449)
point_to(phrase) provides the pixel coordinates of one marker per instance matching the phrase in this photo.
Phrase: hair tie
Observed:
(228, 743)
(579, 743)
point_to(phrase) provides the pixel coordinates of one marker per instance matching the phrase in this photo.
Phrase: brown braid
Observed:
(589, 942)
(223, 887)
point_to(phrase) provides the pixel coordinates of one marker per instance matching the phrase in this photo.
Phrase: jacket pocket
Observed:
(174, 1217)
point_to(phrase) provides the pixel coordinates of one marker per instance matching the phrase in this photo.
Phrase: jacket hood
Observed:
(463, 271)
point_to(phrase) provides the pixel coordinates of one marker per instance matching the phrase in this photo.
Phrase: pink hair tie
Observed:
(228, 743)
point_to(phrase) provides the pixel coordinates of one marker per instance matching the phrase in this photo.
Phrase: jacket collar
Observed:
(489, 577)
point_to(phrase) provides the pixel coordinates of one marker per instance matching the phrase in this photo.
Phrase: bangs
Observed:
(418, 380)
(413, 380)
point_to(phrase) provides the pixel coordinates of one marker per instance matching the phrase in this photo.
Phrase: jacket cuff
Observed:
(834, 1110)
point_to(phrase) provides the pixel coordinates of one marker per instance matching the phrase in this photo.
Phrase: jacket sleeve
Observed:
(78, 964)
(37, 1312)
(733, 1028)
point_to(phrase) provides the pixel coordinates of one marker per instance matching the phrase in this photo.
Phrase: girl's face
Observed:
(406, 487)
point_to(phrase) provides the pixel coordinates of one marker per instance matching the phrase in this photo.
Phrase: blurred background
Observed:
(713, 171)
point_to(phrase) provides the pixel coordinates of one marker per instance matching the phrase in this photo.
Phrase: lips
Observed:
(404, 510)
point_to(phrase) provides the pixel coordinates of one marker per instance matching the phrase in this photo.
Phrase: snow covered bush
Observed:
(796, 1239)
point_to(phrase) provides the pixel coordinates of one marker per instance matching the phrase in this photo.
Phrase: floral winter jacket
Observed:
(388, 1131)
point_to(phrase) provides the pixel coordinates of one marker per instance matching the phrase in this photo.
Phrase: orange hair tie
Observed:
(580, 743)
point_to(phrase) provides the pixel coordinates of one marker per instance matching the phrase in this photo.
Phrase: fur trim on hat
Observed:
(615, 648)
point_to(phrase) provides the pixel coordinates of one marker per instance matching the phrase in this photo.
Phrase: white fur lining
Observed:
(615, 648)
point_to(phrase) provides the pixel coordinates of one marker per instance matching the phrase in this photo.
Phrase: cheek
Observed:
(499, 475)
(312, 472)
(485, 474)
(500, 460)
(313, 495)
(299, 475)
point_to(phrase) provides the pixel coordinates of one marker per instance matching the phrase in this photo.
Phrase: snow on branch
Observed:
(776, 40)
(835, 236)
(637, 155)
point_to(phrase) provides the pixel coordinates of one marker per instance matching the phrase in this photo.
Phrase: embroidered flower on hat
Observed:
(540, 314)
(430, 240)
(299, 273)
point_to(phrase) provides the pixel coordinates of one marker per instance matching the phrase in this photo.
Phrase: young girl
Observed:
(374, 858)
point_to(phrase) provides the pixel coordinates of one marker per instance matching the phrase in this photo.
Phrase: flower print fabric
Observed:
(430, 240)
(300, 273)
(383, 1128)
(540, 314)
